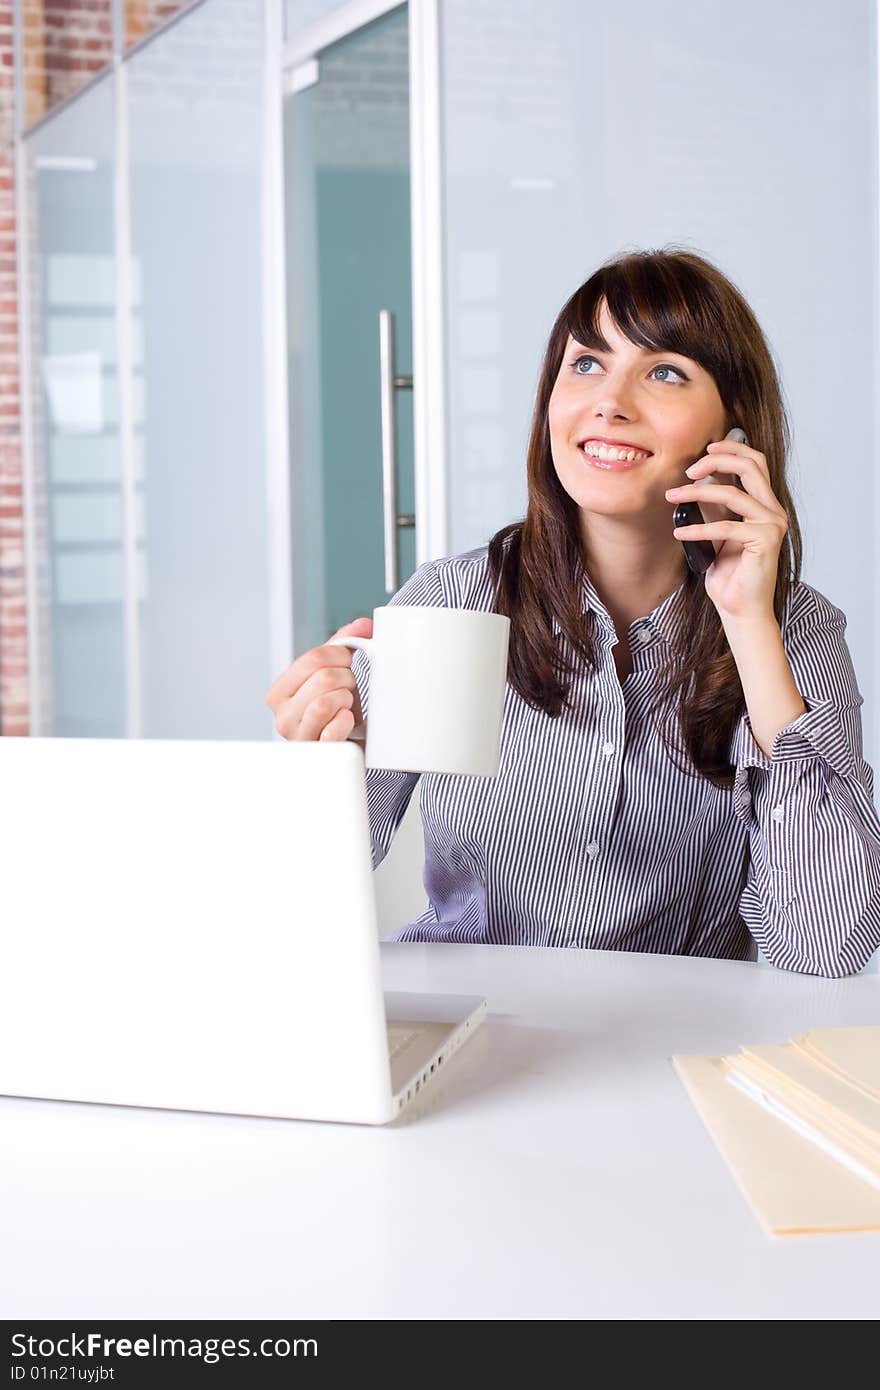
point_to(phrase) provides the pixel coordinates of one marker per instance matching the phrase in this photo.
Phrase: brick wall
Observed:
(142, 16)
(13, 626)
(65, 43)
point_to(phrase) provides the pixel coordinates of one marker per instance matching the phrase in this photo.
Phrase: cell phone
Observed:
(700, 554)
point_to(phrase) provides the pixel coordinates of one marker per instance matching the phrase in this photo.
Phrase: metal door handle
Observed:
(388, 383)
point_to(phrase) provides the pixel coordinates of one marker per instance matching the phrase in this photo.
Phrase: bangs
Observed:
(658, 307)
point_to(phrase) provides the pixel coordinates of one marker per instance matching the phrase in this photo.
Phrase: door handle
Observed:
(389, 382)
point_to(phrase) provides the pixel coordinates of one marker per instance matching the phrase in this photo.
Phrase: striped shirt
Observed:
(590, 836)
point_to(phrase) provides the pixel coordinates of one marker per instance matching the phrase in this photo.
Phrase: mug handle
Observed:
(361, 644)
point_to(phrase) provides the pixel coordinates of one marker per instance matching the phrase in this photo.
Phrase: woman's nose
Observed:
(613, 401)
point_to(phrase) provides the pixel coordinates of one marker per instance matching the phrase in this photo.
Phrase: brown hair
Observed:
(675, 300)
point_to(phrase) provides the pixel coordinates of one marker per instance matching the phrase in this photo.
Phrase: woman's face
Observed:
(659, 401)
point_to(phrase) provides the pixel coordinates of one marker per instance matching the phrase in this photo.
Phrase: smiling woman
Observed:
(681, 754)
(660, 351)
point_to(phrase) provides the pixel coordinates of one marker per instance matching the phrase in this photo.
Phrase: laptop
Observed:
(192, 925)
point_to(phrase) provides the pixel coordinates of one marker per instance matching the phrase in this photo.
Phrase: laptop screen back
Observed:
(190, 924)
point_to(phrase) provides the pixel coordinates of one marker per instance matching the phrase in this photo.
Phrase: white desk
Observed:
(558, 1170)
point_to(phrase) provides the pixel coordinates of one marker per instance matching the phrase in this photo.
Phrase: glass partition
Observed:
(196, 138)
(75, 413)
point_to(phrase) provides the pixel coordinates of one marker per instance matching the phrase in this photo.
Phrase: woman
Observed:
(681, 761)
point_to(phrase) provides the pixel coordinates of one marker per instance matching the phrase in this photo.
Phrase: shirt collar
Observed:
(664, 622)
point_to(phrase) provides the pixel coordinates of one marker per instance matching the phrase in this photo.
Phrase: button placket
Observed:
(779, 869)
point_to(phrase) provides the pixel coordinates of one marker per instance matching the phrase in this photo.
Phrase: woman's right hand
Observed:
(317, 697)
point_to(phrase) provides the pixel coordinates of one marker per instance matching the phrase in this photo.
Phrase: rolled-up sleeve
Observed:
(812, 894)
(388, 791)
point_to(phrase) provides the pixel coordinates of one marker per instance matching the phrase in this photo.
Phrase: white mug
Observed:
(436, 697)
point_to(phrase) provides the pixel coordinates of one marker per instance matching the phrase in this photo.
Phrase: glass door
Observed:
(347, 176)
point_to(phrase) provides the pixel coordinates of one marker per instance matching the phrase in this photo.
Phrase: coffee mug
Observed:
(436, 698)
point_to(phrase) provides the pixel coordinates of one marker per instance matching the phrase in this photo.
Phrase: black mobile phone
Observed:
(699, 554)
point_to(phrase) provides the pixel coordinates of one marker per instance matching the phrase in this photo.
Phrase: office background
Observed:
(206, 206)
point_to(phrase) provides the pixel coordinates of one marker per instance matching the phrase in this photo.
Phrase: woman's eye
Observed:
(661, 367)
(578, 360)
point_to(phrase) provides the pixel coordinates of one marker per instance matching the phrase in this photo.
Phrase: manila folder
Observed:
(791, 1185)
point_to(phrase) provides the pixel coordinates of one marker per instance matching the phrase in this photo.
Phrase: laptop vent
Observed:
(420, 1081)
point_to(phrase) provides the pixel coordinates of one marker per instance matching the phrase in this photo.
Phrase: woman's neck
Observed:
(632, 582)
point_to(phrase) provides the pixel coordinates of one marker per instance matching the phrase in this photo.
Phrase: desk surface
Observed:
(557, 1169)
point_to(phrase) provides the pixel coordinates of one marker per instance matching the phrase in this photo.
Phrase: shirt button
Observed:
(641, 634)
(607, 749)
(777, 813)
(592, 849)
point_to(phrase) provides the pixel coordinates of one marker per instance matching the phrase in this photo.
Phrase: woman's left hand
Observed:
(741, 581)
